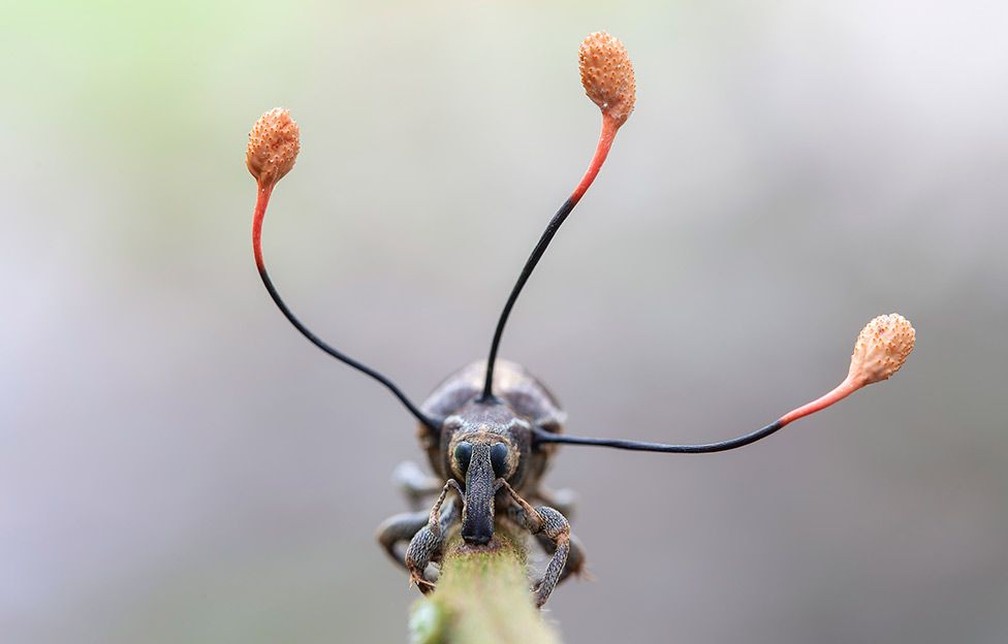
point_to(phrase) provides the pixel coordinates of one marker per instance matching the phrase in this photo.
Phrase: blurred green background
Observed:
(178, 465)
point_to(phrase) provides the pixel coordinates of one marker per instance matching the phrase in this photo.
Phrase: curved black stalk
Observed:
(530, 264)
(428, 422)
(544, 437)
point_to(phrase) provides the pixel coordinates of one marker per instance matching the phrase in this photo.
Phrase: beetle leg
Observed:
(564, 499)
(575, 557)
(551, 525)
(397, 529)
(415, 484)
(427, 545)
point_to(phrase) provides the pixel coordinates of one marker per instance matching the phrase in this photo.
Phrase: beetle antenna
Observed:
(880, 350)
(274, 143)
(608, 78)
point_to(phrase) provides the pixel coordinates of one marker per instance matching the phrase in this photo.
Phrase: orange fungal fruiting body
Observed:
(273, 146)
(608, 76)
(881, 349)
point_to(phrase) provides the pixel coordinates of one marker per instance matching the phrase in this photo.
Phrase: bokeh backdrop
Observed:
(178, 465)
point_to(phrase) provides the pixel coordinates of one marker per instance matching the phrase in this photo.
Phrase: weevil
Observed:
(490, 430)
(485, 452)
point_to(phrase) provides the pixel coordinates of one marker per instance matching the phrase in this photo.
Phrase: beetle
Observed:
(490, 430)
(485, 455)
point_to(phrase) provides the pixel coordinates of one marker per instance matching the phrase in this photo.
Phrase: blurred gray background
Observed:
(178, 465)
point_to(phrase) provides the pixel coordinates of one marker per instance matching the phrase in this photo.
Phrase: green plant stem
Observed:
(482, 597)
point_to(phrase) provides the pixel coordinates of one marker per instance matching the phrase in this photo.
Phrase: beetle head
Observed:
(485, 443)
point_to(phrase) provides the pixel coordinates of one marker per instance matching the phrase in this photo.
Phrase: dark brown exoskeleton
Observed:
(490, 429)
(485, 454)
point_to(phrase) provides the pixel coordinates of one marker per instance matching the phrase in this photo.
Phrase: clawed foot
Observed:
(423, 584)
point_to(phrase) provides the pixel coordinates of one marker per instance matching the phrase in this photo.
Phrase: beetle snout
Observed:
(477, 525)
(478, 507)
(479, 536)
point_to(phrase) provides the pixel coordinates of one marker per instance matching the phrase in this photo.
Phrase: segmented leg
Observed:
(575, 557)
(551, 525)
(415, 484)
(399, 529)
(427, 544)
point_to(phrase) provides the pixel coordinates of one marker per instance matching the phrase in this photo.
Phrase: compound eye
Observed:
(463, 454)
(498, 458)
